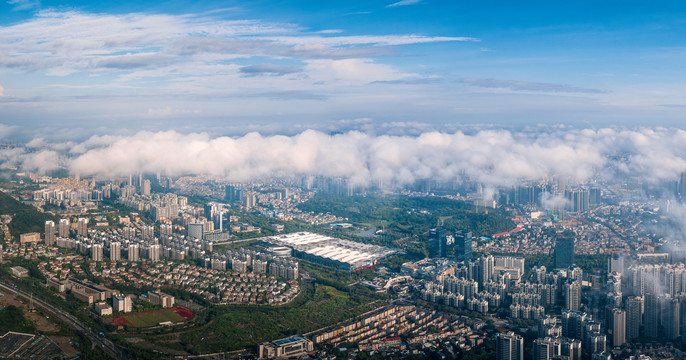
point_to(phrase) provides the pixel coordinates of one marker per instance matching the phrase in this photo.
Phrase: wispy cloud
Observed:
(403, 3)
(358, 13)
(330, 31)
(268, 69)
(24, 4)
(530, 86)
(66, 42)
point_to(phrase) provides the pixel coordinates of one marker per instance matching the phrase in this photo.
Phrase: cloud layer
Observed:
(494, 158)
(65, 42)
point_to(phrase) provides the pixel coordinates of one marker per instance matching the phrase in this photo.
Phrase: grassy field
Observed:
(152, 319)
(238, 326)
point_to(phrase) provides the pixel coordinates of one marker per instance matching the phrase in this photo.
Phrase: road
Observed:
(105, 344)
(240, 241)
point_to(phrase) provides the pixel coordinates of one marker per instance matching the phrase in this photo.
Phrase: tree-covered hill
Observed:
(25, 218)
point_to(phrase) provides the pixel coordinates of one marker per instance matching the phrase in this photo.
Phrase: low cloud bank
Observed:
(492, 157)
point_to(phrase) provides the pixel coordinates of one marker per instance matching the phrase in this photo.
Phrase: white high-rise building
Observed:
(96, 252)
(145, 187)
(129, 232)
(121, 303)
(573, 295)
(133, 253)
(64, 228)
(148, 232)
(618, 327)
(115, 251)
(49, 233)
(195, 231)
(82, 227)
(154, 252)
(166, 230)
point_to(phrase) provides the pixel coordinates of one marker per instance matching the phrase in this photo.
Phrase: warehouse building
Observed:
(332, 251)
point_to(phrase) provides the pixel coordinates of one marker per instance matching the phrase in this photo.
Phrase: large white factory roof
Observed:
(347, 252)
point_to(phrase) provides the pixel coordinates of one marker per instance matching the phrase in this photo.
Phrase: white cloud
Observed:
(403, 3)
(2, 91)
(6, 130)
(24, 4)
(530, 86)
(352, 71)
(492, 157)
(65, 42)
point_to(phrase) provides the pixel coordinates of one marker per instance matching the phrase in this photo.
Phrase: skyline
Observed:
(73, 70)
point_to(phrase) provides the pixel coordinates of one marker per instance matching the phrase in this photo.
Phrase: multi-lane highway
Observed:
(106, 345)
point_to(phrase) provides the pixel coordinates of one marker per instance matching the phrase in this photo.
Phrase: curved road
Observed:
(106, 345)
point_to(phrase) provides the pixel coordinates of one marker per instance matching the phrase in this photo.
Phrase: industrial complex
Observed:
(332, 251)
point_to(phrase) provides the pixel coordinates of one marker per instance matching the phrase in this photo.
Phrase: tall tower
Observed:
(633, 317)
(154, 253)
(486, 264)
(463, 245)
(145, 187)
(115, 251)
(96, 252)
(618, 327)
(133, 252)
(438, 243)
(509, 346)
(564, 252)
(546, 349)
(570, 349)
(670, 318)
(652, 312)
(82, 227)
(573, 295)
(578, 199)
(64, 228)
(148, 232)
(49, 233)
(195, 231)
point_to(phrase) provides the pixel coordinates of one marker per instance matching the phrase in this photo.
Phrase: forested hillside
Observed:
(25, 218)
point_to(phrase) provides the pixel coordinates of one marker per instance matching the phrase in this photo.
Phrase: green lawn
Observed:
(152, 319)
(238, 326)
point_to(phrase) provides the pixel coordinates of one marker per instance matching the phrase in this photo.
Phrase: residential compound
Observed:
(384, 327)
(126, 255)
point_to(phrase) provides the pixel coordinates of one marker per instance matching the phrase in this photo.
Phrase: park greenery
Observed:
(236, 327)
(25, 218)
(403, 216)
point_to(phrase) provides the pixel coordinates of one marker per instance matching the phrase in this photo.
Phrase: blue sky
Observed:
(71, 69)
